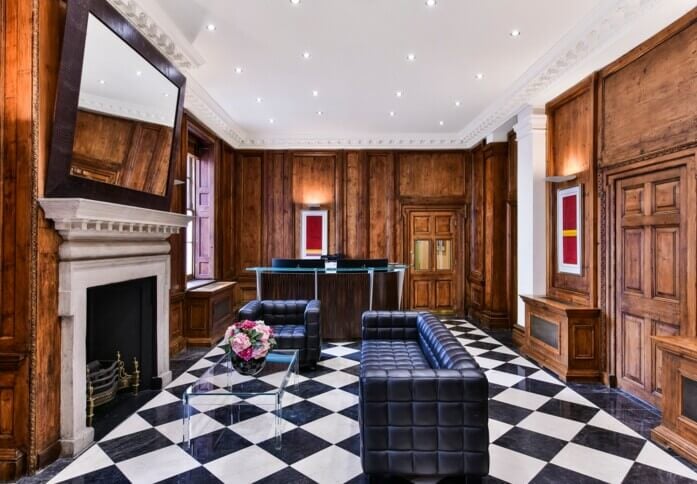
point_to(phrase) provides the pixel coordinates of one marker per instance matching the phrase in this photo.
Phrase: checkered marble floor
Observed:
(541, 431)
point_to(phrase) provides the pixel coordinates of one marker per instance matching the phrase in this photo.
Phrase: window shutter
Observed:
(203, 251)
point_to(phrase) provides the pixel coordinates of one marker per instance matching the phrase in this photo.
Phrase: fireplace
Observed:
(114, 278)
(121, 318)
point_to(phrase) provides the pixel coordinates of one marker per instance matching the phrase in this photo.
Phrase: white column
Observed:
(532, 211)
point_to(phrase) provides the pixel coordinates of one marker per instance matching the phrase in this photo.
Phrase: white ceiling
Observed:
(358, 61)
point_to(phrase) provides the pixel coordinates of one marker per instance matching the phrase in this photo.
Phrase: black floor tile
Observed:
(642, 474)
(303, 412)
(552, 474)
(297, 444)
(497, 355)
(286, 476)
(608, 441)
(495, 389)
(234, 413)
(539, 387)
(196, 476)
(108, 475)
(215, 445)
(530, 443)
(573, 411)
(165, 413)
(516, 369)
(308, 389)
(134, 445)
(350, 412)
(507, 413)
(352, 444)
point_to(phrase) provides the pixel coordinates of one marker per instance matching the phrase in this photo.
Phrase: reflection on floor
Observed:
(541, 430)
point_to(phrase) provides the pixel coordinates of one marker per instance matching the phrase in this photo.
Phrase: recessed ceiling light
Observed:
(210, 27)
(398, 93)
(392, 114)
(479, 76)
(515, 33)
(458, 104)
(306, 55)
(102, 81)
(430, 3)
(315, 93)
(271, 120)
(259, 99)
(319, 113)
(139, 73)
(238, 70)
(441, 123)
(295, 2)
(166, 94)
(411, 57)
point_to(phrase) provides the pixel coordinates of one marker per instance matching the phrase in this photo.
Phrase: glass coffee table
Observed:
(222, 385)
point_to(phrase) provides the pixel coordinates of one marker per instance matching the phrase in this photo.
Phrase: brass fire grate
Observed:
(105, 378)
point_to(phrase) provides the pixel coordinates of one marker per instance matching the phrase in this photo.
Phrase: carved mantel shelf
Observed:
(83, 219)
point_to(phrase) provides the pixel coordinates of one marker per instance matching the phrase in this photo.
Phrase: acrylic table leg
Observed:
(187, 423)
(279, 420)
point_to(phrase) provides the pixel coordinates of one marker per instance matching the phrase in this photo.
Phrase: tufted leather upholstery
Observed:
(295, 324)
(420, 415)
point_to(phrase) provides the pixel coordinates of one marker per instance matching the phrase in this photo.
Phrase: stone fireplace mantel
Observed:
(104, 243)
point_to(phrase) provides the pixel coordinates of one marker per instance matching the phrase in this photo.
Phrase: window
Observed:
(199, 205)
(191, 162)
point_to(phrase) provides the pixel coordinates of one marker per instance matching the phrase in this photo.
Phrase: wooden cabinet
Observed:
(678, 429)
(563, 337)
(210, 310)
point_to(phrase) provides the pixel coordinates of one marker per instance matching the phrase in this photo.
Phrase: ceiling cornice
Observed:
(605, 23)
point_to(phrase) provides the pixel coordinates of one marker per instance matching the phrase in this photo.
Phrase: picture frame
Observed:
(314, 233)
(570, 230)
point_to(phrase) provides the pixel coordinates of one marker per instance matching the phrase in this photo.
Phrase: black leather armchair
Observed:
(295, 325)
(423, 406)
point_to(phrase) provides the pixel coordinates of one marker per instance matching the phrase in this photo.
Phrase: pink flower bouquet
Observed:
(250, 340)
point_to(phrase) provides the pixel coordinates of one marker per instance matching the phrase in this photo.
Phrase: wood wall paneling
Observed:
(512, 230)
(647, 96)
(381, 218)
(427, 174)
(571, 151)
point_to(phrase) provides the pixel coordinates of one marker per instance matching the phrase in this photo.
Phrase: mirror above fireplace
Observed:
(118, 112)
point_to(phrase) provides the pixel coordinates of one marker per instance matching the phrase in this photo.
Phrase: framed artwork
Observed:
(569, 230)
(313, 233)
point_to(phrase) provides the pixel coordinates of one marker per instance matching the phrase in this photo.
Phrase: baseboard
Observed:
(49, 454)
(518, 336)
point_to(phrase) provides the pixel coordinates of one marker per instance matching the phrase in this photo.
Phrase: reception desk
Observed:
(345, 293)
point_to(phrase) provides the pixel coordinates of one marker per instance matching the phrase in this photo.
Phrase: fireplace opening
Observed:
(122, 318)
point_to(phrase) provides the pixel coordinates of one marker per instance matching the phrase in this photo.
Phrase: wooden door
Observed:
(433, 243)
(651, 240)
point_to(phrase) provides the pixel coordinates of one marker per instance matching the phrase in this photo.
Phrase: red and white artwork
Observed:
(569, 226)
(313, 234)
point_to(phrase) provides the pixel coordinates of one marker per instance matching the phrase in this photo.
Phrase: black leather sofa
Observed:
(295, 325)
(423, 406)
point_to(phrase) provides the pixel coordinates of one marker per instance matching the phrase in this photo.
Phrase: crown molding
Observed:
(165, 38)
(607, 22)
(123, 109)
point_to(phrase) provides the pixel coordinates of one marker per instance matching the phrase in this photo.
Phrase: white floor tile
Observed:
(543, 423)
(497, 429)
(260, 428)
(337, 379)
(546, 377)
(503, 378)
(473, 350)
(654, 456)
(511, 466)
(523, 362)
(332, 465)
(247, 465)
(162, 398)
(201, 424)
(333, 428)
(591, 462)
(335, 400)
(338, 363)
(183, 379)
(520, 398)
(605, 421)
(201, 364)
(158, 465)
(91, 460)
(339, 351)
(134, 423)
(487, 362)
(275, 379)
(268, 402)
(505, 350)
(569, 395)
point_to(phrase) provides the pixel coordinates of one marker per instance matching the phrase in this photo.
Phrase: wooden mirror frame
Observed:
(59, 182)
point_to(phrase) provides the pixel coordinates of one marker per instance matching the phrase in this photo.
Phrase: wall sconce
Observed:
(560, 179)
